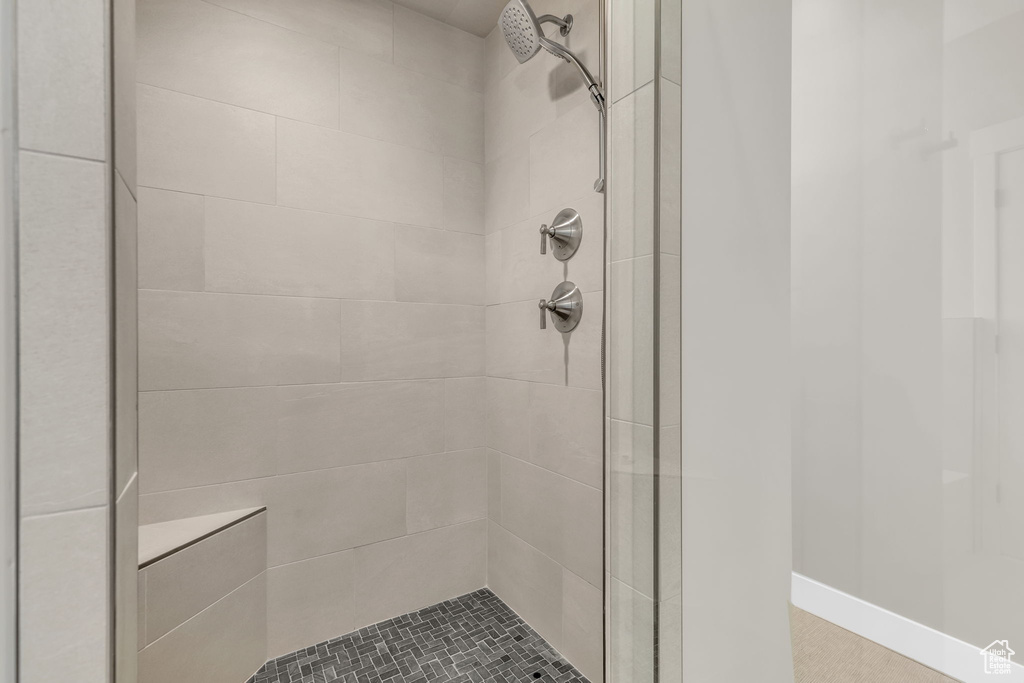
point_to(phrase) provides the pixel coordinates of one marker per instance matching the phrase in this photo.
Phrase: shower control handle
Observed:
(565, 234)
(545, 306)
(565, 308)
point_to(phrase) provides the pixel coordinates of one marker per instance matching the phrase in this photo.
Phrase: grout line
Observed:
(378, 542)
(58, 155)
(560, 565)
(286, 207)
(403, 459)
(314, 298)
(435, 153)
(43, 515)
(541, 467)
(205, 609)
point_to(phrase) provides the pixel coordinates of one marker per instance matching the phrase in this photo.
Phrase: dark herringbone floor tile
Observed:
(471, 639)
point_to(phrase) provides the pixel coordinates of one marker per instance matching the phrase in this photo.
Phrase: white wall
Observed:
(903, 472)
(735, 339)
(311, 282)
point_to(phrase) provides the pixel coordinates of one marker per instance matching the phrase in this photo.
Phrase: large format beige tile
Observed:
(583, 626)
(527, 580)
(445, 489)
(64, 333)
(182, 585)
(316, 513)
(127, 630)
(432, 48)
(126, 335)
(410, 341)
(327, 170)
(194, 145)
(465, 413)
(558, 516)
(475, 16)
(193, 341)
(123, 79)
(518, 349)
(170, 240)
(215, 502)
(492, 256)
(463, 196)
(632, 46)
(62, 88)
(362, 25)
(389, 102)
(140, 619)
(435, 9)
(506, 188)
(345, 424)
(225, 642)
(309, 602)
(371, 583)
(53, 609)
(258, 249)
(494, 485)
(630, 341)
(308, 514)
(631, 529)
(631, 164)
(564, 159)
(415, 571)
(508, 416)
(499, 60)
(519, 104)
(631, 640)
(438, 266)
(585, 41)
(197, 48)
(206, 436)
(565, 432)
(631, 522)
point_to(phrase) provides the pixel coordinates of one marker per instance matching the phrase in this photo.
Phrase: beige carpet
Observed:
(825, 653)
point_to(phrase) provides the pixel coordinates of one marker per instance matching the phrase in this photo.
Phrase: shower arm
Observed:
(596, 96)
(564, 23)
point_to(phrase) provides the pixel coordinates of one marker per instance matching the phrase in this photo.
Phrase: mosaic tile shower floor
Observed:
(475, 638)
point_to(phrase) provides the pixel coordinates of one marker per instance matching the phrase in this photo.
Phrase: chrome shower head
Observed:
(521, 29)
(525, 38)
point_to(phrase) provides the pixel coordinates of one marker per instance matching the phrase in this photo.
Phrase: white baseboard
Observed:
(934, 649)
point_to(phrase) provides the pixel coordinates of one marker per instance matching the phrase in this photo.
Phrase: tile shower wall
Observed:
(544, 408)
(72, 187)
(312, 297)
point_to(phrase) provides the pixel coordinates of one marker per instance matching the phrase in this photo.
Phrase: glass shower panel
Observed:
(643, 504)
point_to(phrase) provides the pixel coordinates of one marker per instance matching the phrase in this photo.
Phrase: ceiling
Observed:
(474, 16)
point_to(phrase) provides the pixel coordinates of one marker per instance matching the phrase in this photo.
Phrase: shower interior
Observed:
(338, 286)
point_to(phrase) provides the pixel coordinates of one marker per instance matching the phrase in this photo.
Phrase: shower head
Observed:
(525, 38)
(521, 29)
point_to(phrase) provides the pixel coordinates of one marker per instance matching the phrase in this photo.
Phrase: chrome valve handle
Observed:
(565, 308)
(565, 233)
